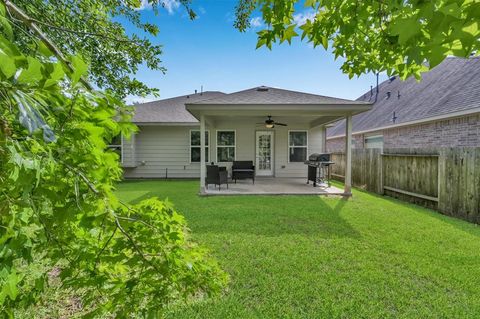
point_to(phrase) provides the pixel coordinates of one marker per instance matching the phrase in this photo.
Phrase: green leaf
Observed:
(6, 27)
(472, 28)
(54, 76)
(437, 55)
(452, 10)
(288, 34)
(405, 29)
(33, 73)
(325, 42)
(43, 49)
(80, 69)
(7, 65)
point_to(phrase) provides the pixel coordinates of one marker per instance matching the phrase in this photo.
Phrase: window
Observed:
(297, 146)
(225, 146)
(374, 141)
(116, 146)
(195, 146)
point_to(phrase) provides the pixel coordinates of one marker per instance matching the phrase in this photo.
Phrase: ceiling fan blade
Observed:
(281, 124)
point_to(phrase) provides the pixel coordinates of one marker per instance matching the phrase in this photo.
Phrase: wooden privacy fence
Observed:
(445, 179)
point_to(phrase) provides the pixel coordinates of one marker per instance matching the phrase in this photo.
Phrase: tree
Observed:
(90, 29)
(399, 37)
(57, 201)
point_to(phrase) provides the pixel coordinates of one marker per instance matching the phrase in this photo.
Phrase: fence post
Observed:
(348, 155)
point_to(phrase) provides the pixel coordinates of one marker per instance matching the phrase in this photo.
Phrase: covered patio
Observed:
(271, 186)
(270, 146)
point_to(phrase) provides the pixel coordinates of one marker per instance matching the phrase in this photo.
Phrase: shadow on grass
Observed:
(262, 215)
(460, 224)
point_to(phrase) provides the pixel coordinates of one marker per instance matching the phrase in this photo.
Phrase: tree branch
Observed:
(134, 245)
(91, 34)
(30, 23)
(106, 244)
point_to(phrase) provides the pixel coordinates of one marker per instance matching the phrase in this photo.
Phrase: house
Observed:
(442, 110)
(236, 126)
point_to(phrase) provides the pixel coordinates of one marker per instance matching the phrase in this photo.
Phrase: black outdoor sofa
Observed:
(243, 170)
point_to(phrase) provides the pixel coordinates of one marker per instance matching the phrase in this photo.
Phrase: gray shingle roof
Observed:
(170, 110)
(452, 86)
(267, 95)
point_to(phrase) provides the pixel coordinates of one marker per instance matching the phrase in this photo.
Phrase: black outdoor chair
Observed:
(243, 170)
(216, 175)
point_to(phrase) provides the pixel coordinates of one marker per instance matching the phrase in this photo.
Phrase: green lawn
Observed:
(318, 257)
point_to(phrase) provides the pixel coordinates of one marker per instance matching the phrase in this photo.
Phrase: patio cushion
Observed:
(243, 165)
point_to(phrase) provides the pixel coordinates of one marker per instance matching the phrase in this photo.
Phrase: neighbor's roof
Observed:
(452, 86)
(170, 110)
(268, 95)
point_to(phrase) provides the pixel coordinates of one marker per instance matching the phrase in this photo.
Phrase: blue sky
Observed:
(209, 51)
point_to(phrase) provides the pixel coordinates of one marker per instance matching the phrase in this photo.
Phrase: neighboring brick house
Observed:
(442, 110)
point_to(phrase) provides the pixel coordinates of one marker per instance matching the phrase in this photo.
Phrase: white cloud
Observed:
(202, 10)
(170, 5)
(144, 5)
(256, 22)
(301, 18)
(130, 100)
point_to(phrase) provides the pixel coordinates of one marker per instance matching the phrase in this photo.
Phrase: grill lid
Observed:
(319, 157)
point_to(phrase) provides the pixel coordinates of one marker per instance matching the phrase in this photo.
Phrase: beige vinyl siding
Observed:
(163, 147)
(160, 147)
(282, 166)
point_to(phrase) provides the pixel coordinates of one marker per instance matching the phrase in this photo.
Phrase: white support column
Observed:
(203, 168)
(324, 139)
(348, 155)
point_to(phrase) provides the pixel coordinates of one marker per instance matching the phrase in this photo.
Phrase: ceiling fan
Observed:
(269, 123)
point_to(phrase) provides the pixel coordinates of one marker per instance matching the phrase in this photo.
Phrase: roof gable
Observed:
(264, 95)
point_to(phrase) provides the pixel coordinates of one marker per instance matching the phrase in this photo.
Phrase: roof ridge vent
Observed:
(262, 88)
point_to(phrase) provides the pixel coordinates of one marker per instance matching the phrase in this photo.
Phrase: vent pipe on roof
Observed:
(201, 90)
(398, 94)
(388, 94)
(394, 118)
(195, 91)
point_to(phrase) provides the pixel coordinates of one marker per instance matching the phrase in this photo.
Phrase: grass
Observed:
(318, 257)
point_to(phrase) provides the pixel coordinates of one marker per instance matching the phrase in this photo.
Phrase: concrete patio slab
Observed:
(271, 186)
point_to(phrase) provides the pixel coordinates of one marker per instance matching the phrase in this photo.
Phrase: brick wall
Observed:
(457, 132)
(338, 144)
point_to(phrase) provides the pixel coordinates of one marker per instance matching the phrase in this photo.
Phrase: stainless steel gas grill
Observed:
(319, 169)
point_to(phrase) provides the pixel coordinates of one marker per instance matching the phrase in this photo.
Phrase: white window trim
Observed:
(190, 146)
(217, 146)
(288, 145)
(121, 148)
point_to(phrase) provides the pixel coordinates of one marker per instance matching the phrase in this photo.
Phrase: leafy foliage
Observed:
(57, 204)
(90, 28)
(393, 36)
